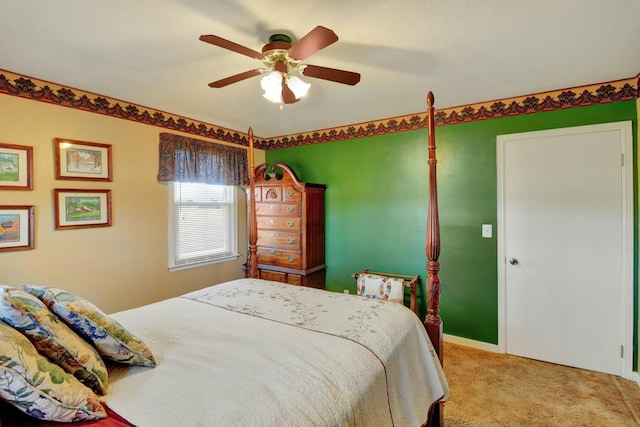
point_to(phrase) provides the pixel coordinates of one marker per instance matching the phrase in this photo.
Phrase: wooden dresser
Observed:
(290, 221)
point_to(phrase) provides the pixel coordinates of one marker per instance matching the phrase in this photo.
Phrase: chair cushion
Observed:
(53, 338)
(40, 388)
(108, 336)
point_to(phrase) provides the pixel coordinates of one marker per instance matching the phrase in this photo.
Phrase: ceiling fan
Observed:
(282, 61)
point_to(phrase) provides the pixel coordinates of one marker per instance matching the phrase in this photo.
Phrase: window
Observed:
(202, 224)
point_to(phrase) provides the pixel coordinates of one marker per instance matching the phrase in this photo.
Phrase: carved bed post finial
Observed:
(252, 261)
(433, 322)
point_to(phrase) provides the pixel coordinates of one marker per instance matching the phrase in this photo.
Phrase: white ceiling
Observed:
(147, 52)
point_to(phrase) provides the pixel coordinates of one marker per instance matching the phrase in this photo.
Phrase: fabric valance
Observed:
(186, 159)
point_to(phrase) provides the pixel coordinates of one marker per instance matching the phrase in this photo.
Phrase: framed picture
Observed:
(16, 228)
(84, 161)
(82, 208)
(16, 167)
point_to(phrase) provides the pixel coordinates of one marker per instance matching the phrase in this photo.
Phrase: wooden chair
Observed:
(407, 281)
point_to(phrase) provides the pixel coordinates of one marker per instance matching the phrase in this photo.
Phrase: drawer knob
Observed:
(272, 207)
(273, 221)
(290, 223)
(290, 193)
(273, 252)
(291, 258)
(290, 240)
(290, 209)
(273, 234)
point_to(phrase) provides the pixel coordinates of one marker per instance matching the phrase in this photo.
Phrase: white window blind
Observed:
(203, 224)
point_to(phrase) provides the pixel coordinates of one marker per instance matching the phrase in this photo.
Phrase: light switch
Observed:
(487, 231)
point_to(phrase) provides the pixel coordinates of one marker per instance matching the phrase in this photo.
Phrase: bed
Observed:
(257, 352)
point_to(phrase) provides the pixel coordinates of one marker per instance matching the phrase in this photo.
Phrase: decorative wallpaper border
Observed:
(583, 96)
(52, 93)
(40, 90)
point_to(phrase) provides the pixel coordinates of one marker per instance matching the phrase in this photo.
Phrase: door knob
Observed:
(513, 261)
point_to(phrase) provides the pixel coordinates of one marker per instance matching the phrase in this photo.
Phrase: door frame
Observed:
(625, 129)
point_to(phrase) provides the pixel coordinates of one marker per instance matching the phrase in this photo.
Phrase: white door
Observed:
(566, 246)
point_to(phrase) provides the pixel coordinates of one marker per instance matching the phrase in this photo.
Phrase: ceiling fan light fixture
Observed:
(297, 86)
(272, 86)
(271, 83)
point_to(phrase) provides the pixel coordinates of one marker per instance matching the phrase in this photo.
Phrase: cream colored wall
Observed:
(117, 267)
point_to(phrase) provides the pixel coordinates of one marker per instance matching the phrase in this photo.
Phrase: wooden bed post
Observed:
(432, 322)
(252, 261)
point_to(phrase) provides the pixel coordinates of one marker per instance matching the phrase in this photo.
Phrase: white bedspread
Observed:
(258, 353)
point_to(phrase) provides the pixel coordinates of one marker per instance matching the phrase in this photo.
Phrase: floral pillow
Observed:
(53, 338)
(108, 336)
(380, 287)
(40, 388)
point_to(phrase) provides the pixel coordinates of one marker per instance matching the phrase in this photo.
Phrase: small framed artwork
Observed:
(84, 161)
(16, 228)
(16, 167)
(81, 208)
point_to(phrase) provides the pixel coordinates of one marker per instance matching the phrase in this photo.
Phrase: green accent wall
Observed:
(377, 196)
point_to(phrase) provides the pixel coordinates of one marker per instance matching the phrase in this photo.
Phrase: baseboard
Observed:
(466, 342)
(635, 376)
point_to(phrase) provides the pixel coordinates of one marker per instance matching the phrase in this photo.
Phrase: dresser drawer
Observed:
(294, 279)
(278, 223)
(257, 194)
(291, 195)
(284, 209)
(279, 239)
(281, 258)
(276, 276)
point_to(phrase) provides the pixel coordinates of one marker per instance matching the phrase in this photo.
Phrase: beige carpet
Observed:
(489, 389)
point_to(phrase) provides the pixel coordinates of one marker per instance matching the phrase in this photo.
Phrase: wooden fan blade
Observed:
(235, 47)
(332, 74)
(316, 39)
(288, 97)
(236, 78)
